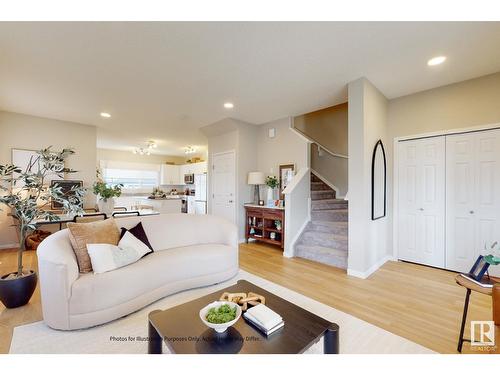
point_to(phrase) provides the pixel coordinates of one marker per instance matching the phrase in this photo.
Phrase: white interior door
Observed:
(223, 185)
(421, 184)
(472, 197)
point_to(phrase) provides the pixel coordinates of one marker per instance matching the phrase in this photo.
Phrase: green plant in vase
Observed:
(28, 196)
(272, 183)
(106, 194)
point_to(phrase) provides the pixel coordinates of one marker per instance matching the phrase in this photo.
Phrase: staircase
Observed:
(324, 239)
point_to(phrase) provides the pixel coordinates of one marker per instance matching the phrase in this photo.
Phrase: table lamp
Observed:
(256, 179)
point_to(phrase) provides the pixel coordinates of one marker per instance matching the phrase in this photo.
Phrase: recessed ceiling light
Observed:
(228, 105)
(436, 60)
(105, 114)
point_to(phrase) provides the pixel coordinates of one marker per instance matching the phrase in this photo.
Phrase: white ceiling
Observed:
(163, 81)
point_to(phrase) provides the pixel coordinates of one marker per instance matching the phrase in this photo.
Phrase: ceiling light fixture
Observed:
(105, 115)
(190, 150)
(145, 150)
(436, 60)
(228, 105)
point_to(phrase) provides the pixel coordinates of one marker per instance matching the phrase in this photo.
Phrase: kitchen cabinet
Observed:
(174, 174)
(194, 168)
(171, 175)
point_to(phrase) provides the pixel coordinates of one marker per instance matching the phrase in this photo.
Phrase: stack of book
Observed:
(264, 319)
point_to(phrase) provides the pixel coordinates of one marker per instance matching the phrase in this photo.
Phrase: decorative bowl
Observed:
(220, 328)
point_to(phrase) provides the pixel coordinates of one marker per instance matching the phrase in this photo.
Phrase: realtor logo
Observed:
(486, 330)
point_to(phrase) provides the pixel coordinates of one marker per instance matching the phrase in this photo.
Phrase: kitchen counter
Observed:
(170, 205)
(168, 197)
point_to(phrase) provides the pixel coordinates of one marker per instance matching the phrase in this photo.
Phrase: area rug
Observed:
(124, 335)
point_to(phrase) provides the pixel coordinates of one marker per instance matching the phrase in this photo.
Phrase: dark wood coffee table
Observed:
(183, 331)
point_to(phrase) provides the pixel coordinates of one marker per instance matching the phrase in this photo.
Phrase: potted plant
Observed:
(272, 183)
(28, 196)
(106, 194)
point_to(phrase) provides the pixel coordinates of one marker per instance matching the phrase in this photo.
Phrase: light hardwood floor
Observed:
(419, 303)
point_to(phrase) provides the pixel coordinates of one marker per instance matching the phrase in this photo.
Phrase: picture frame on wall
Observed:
(66, 186)
(287, 171)
(22, 158)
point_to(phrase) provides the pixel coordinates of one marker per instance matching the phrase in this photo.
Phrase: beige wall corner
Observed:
(34, 133)
(368, 240)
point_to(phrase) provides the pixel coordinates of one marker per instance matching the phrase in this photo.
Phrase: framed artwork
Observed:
(22, 158)
(66, 186)
(379, 181)
(287, 171)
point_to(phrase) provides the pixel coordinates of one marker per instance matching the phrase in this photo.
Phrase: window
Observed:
(132, 178)
(135, 177)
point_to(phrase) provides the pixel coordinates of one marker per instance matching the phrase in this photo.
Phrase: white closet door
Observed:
(472, 197)
(422, 201)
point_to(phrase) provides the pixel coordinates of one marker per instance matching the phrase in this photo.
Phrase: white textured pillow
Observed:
(106, 257)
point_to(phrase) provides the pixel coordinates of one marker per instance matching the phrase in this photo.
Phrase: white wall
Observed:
(34, 133)
(297, 212)
(368, 240)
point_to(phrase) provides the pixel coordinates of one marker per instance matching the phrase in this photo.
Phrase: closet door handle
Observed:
(421, 208)
(471, 212)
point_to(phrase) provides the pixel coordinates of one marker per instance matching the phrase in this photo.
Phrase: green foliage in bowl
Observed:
(221, 315)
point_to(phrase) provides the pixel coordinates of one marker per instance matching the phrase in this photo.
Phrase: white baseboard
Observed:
(9, 246)
(372, 269)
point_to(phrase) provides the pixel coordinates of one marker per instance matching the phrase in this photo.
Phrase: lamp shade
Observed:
(256, 178)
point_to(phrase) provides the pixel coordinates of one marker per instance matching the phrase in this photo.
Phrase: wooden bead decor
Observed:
(243, 299)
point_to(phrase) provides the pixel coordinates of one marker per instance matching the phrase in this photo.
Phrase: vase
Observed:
(106, 206)
(271, 196)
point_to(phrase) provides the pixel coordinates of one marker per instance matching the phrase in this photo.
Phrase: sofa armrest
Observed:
(58, 270)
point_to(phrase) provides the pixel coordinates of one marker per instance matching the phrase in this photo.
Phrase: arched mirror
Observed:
(379, 177)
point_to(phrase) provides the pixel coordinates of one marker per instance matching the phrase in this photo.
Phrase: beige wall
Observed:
(255, 151)
(328, 126)
(464, 104)
(286, 147)
(33, 133)
(332, 168)
(367, 124)
(106, 154)
(241, 137)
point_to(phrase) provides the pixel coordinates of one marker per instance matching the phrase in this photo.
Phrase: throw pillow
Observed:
(106, 257)
(81, 234)
(139, 233)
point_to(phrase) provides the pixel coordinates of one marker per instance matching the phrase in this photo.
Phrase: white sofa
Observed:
(190, 251)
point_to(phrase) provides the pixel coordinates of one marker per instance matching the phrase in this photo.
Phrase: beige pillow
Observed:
(81, 234)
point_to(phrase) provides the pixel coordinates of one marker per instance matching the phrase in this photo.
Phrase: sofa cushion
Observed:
(101, 291)
(81, 234)
(107, 257)
(138, 232)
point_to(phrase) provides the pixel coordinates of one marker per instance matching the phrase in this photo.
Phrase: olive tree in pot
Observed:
(28, 196)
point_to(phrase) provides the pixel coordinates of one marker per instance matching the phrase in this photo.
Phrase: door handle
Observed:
(230, 201)
(471, 212)
(421, 208)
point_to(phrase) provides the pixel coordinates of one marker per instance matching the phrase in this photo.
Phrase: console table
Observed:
(260, 224)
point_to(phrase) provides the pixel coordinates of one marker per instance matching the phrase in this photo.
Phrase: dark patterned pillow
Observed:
(139, 233)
